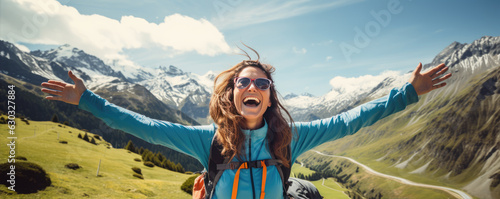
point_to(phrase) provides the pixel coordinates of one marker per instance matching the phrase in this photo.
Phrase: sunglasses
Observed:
(261, 83)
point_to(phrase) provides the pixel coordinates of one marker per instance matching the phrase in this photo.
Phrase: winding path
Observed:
(454, 192)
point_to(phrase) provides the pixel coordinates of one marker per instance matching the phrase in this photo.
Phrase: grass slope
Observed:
(39, 143)
(448, 138)
(362, 184)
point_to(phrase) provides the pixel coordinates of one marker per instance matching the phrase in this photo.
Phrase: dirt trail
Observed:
(456, 193)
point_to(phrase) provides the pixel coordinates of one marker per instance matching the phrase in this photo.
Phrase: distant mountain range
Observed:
(191, 92)
(450, 136)
(171, 94)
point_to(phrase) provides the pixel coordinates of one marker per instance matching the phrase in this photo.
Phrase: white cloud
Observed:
(299, 51)
(356, 84)
(328, 58)
(247, 13)
(49, 22)
(22, 47)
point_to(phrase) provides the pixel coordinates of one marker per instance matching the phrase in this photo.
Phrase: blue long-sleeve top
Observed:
(196, 140)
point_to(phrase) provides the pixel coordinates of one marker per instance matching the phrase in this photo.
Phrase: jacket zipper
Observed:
(249, 160)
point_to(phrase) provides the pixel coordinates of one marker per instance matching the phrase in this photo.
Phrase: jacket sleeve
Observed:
(312, 134)
(191, 140)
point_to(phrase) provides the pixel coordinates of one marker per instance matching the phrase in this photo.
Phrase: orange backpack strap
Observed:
(217, 164)
(199, 191)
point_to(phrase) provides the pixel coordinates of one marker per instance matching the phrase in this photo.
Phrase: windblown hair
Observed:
(229, 121)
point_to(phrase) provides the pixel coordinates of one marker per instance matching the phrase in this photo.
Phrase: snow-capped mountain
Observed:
(188, 92)
(77, 58)
(346, 92)
(180, 90)
(463, 59)
(191, 92)
(26, 67)
(171, 85)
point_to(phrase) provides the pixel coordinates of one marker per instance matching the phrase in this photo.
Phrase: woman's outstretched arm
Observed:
(62, 91)
(429, 80)
(312, 134)
(192, 140)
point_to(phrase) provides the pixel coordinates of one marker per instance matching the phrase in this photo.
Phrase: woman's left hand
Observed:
(430, 80)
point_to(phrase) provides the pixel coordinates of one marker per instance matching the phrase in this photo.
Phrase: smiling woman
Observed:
(250, 149)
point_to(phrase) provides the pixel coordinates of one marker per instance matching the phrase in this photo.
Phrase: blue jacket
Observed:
(195, 140)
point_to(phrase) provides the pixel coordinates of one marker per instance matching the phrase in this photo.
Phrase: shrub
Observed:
(59, 125)
(80, 136)
(21, 158)
(66, 123)
(25, 121)
(187, 186)
(138, 176)
(137, 170)
(149, 164)
(93, 141)
(2, 120)
(73, 166)
(54, 118)
(189, 173)
(97, 137)
(86, 137)
(179, 168)
(137, 159)
(63, 142)
(130, 146)
(29, 177)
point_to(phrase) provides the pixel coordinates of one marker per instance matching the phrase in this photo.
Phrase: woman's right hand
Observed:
(63, 91)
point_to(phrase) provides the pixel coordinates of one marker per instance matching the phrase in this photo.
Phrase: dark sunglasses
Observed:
(261, 83)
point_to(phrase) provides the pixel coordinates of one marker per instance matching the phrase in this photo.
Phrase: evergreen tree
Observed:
(130, 146)
(80, 136)
(86, 137)
(93, 141)
(164, 164)
(179, 168)
(54, 118)
(160, 156)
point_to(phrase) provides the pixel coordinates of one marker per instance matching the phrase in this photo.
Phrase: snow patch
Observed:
(421, 169)
(404, 164)
(5, 54)
(64, 51)
(382, 158)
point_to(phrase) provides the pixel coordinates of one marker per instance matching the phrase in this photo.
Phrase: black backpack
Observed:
(217, 164)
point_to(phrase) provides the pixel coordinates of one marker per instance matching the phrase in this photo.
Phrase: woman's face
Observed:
(251, 102)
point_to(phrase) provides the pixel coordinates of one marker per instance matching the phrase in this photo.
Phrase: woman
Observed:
(250, 124)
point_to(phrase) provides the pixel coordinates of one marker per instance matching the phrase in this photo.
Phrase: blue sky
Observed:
(309, 42)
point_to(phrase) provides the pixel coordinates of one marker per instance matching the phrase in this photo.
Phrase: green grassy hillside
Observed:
(40, 143)
(448, 138)
(32, 104)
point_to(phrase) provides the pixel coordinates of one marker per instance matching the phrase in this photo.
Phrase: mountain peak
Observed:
(171, 70)
(456, 52)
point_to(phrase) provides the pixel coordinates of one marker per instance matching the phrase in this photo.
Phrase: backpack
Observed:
(204, 184)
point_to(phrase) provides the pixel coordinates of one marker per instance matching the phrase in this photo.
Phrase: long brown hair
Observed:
(228, 120)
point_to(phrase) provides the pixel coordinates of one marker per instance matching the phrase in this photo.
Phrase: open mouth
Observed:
(251, 101)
